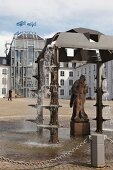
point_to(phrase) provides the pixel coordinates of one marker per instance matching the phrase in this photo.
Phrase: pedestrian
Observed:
(10, 95)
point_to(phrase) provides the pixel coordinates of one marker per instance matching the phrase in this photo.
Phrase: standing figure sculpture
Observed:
(78, 97)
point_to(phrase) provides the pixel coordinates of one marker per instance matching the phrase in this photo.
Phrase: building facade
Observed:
(4, 77)
(68, 75)
(69, 72)
(24, 50)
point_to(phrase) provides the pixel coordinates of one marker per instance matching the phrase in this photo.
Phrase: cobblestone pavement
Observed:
(8, 166)
(23, 108)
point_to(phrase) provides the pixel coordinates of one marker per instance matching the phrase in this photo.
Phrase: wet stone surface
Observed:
(19, 139)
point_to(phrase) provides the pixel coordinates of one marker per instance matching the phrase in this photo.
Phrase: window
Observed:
(4, 61)
(89, 68)
(4, 81)
(4, 71)
(16, 53)
(61, 91)
(13, 61)
(62, 82)
(94, 89)
(62, 73)
(70, 92)
(94, 77)
(3, 90)
(24, 71)
(94, 67)
(29, 83)
(21, 56)
(12, 71)
(66, 64)
(29, 71)
(30, 55)
(70, 82)
(70, 74)
(78, 73)
(74, 65)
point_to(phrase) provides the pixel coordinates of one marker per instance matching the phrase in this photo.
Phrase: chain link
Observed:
(46, 163)
(110, 140)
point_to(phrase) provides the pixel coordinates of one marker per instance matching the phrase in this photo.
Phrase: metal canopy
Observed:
(79, 40)
(85, 50)
(85, 30)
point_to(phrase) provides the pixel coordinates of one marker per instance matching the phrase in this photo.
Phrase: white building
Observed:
(68, 75)
(4, 77)
(70, 72)
(109, 79)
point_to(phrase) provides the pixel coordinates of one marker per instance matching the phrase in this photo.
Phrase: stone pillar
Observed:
(97, 150)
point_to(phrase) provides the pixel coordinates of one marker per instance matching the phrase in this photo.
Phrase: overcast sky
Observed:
(52, 16)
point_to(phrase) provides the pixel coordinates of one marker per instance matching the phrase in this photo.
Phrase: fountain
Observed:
(32, 146)
(48, 66)
(85, 50)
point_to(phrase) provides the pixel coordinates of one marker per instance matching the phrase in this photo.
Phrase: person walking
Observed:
(10, 95)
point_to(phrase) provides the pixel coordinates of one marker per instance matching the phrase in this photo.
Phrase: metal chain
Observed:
(47, 163)
(110, 140)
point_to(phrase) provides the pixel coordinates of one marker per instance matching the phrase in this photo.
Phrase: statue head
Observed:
(82, 78)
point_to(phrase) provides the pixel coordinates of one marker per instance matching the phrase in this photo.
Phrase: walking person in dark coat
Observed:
(10, 95)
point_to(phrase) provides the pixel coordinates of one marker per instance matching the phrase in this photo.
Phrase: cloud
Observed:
(49, 35)
(60, 15)
(53, 16)
(4, 37)
(51, 10)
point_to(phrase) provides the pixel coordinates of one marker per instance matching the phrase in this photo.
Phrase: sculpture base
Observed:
(79, 128)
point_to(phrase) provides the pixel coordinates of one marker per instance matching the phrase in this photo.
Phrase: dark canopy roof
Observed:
(84, 49)
(88, 32)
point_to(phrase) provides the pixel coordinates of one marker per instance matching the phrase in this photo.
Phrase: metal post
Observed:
(54, 98)
(99, 119)
(97, 150)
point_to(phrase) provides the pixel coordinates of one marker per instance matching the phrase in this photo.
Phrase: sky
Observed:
(52, 16)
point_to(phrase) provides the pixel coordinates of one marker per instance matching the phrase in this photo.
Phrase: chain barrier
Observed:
(46, 163)
(110, 140)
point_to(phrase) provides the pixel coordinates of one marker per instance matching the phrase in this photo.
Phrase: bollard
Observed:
(97, 150)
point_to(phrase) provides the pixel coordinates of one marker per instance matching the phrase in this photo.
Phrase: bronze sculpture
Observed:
(78, 97)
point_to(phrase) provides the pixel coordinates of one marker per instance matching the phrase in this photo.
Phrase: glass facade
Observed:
(25, 49)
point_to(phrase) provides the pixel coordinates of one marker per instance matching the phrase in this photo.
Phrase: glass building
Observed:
(24, 50)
